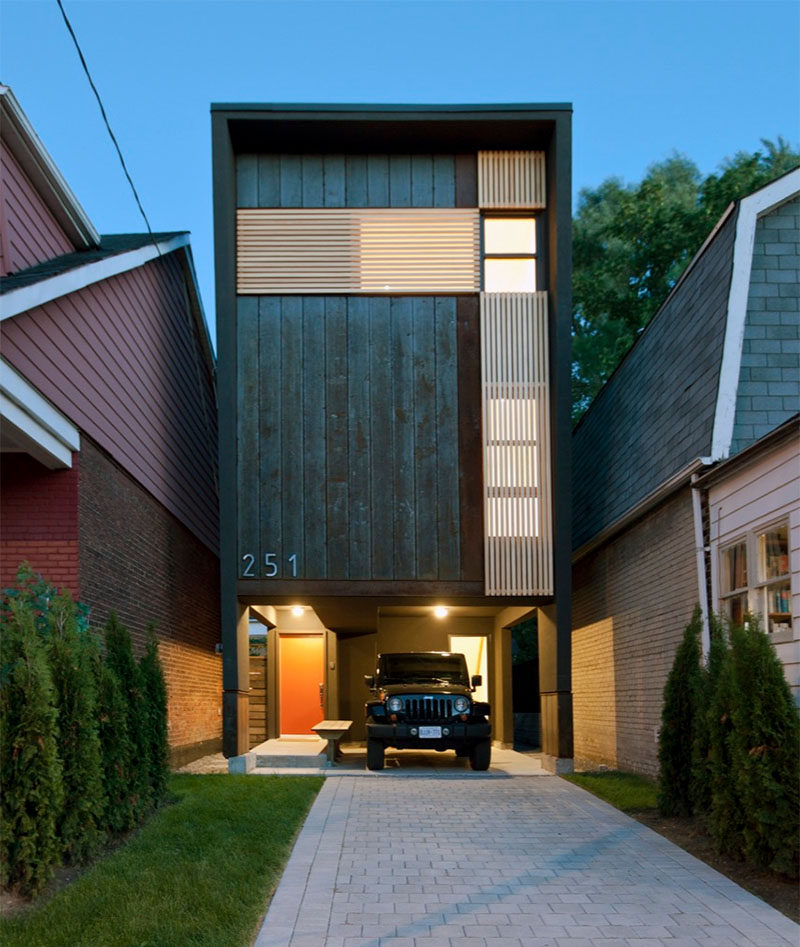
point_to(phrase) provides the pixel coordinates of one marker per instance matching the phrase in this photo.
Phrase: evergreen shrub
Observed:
(116, 750)
(678, 724)
(764, 745)
(154, 690)
(120, 660)
(31, 769)
(70, 655)
(701, 785)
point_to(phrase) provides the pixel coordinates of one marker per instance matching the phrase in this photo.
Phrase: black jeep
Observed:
(424, 700)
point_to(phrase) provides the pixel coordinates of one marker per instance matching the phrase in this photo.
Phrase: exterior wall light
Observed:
(440, 611)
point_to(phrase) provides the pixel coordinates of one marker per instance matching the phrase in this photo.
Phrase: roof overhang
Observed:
(44, 291)
(26, 146)
(31, 425)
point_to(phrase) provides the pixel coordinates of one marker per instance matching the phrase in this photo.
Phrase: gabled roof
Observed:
(669, 407)
(27, 148)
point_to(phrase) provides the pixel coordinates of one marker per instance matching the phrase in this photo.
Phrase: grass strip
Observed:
(200, 872)
(626, 791)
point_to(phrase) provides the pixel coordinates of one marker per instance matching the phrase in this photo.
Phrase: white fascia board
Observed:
(41, 424)
(750, 209)
(20, 300)
(28, 149)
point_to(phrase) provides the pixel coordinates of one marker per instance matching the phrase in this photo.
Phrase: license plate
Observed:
(430, 733)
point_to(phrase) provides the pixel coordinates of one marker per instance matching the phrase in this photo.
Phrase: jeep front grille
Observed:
(428, 708)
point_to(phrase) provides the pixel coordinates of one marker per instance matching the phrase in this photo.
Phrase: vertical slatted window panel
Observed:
(516, 444)
(511, 179)
(357, 250)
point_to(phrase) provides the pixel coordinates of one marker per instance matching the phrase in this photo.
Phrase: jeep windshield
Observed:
(435, 668)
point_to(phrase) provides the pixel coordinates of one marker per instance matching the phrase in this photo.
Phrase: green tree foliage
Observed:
(120, 660)
(31, 769)
(701, 785)
(70, 656)
(764, 746)
(116, 750)
(154, 689)
(632, 242)
(678, 724)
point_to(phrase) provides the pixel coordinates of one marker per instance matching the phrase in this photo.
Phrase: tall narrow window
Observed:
(509, 254)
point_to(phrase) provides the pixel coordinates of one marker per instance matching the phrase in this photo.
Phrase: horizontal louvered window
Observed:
(516, 444)
(511, 179)
(357, 250)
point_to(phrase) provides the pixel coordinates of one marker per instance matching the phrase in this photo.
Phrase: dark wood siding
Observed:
(30, 233)
(331, 180)
(120, 359)
(349, 437)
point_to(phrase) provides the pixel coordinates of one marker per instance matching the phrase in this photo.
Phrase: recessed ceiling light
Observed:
(298, 611)
(440, 611)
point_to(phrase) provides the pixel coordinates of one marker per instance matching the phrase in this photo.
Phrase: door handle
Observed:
(322, 695)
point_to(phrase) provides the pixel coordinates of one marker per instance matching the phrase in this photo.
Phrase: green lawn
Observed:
(200, 872)
(625, 791)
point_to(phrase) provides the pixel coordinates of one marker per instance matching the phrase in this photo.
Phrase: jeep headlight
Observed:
(461, 705)
(395, 704)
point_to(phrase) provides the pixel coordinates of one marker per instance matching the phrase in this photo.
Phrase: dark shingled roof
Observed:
(110, 245)
(656, 412)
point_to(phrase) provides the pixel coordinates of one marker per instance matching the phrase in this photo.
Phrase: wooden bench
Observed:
(332, 731)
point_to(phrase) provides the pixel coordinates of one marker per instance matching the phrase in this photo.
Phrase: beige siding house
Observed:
(684, 492)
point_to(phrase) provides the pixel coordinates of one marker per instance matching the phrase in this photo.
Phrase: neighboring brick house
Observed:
(393, 314)
(716, 370)
(107, 396)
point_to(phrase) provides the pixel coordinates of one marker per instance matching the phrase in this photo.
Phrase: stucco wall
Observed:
(632, 600)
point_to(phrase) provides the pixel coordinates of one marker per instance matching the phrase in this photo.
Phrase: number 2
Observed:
(249, 559)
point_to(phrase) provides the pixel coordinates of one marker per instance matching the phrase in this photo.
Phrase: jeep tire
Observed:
(480, 755)
(375, 752)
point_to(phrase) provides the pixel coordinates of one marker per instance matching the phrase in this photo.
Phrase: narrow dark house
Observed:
(393, 308)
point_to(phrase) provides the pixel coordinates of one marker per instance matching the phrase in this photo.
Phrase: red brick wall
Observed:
(39, 520)
(632, 599)
(138, 559)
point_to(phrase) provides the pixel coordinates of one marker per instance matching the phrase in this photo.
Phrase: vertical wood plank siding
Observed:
(118, 359)
(516, 437)
(511, 179)
(356, 469)
(331, 180)
(30, 232)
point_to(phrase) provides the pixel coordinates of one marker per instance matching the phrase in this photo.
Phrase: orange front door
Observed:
(302, 667)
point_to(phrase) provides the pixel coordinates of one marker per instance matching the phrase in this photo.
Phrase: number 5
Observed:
(270, 565)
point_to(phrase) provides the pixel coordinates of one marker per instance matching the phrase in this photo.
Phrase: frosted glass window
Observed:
(504, 275)
(509, 235)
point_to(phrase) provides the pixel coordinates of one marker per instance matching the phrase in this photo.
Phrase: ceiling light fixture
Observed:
(298, 611)
(440, 611)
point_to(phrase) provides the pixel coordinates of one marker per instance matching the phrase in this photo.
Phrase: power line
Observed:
(107, 124)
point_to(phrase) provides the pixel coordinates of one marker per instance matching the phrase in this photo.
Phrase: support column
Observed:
(555, 685)
(235, 680)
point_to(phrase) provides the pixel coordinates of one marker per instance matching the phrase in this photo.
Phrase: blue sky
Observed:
(646, 78)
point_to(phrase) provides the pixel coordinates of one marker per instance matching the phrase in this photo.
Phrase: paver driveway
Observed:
(478, 860)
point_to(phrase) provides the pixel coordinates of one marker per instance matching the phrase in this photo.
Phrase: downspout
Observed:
(700, 556)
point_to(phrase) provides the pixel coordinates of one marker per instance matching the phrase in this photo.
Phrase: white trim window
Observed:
(756, 577)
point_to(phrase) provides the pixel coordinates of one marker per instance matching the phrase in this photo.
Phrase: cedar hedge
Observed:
(83, 733)
(729, 745)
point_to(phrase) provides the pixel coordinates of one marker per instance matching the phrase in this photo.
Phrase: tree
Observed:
(154, 690)
(632, 242)
(32, 794)
(678, 724)
(120, 660)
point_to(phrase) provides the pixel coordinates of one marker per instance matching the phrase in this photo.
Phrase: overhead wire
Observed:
(108, 125)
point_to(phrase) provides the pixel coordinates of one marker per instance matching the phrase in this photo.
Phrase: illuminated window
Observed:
(755, 577)
(509, 254)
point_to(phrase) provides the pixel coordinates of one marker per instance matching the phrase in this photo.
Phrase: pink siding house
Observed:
(108, 438)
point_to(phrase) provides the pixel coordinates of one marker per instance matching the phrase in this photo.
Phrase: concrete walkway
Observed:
(461, 859)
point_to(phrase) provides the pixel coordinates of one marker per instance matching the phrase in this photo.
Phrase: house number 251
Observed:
(270, 565)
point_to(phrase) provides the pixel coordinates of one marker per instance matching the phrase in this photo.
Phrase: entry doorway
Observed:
(475, 649)
(301, 659)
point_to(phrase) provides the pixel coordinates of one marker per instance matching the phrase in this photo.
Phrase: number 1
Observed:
(293, 560)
